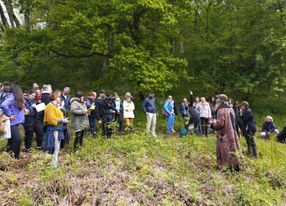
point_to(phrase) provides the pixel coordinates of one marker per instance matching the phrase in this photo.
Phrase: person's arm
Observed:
(209, 112)
(219, 123)
(5, 105)
(132, 107)
(273, 127)
(165, 107)
(144, 105)
(191, 98)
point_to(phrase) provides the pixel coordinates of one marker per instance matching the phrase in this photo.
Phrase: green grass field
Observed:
(140, 170)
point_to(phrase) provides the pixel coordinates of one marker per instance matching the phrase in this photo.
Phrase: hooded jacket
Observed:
(79, 115)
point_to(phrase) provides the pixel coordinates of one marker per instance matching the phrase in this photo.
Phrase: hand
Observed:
(66, 120)
(191, 93)
(12, 117)
(99, 122)
(34, 105)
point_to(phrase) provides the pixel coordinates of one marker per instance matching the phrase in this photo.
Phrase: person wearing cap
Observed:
(79, 118)
(248, 128)
(268, 128)
(150, 109)
(170, 113)
(128, 110)
(227, 144)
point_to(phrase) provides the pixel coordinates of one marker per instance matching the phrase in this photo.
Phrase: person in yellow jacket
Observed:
(54, 121)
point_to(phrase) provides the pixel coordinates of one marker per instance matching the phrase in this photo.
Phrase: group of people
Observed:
(46, 113)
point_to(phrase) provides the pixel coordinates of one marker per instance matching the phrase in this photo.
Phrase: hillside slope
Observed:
(140, 170)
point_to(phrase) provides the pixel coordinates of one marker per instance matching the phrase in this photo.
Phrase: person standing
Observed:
(128, 110)
(118, 105)
(54, 121)
(13, 108)
(184, 110)
(169, 109)
(227, 144)
(79, 118)
(47, 90)
(66, 99)
(150, 109)
(32, 122)
(248, 128)
(205, 115)
(91, 106)
(105, 114)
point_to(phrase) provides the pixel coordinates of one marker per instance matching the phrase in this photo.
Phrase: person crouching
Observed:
(79, 118)
(268, 128)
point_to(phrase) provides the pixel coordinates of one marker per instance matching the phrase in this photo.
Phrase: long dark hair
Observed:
(19, 97)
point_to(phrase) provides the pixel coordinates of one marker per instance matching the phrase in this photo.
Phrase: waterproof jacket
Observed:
(79, 115)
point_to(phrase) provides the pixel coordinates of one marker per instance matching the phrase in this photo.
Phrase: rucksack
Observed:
(281, 137)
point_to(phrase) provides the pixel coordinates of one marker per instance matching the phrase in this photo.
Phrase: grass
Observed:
(142, 170)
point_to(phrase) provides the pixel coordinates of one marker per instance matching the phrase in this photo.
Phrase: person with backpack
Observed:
(248, 128)
(170, 112)
(150, 109)
(13, 108)
(79, 118)
(54, 121)
(32, 122)
(128, 110)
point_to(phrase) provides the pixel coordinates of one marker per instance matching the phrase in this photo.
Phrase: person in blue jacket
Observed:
(170, 112)
(268, 128)
(13, 108)
(150, 109)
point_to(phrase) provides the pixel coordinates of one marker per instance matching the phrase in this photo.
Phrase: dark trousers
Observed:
(14, 143)
(251, 145)
(106, 130)
(78, 139)
(31, 125)
(92, 124)
(118, 118)
(204, 126)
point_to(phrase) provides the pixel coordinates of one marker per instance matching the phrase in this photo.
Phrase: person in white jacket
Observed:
(128, 110)
(205, 115)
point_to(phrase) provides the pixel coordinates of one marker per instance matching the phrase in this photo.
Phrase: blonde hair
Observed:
(268, 118)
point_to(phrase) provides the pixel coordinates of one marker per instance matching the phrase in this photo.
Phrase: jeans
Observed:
(92, 124)
(151, 120)
(204, 126)
(14, 143)
(56, 149)
(170, 123)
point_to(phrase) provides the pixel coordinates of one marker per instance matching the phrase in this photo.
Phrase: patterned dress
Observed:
(227, 147)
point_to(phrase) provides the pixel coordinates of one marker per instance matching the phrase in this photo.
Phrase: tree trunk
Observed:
(27, 19)
(14, 21)
(3, 18)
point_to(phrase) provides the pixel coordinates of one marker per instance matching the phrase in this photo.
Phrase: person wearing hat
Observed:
(268, 128)
(150, 109)
(227, 144)
(128, 110)
(248, 128)
(79, 118)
